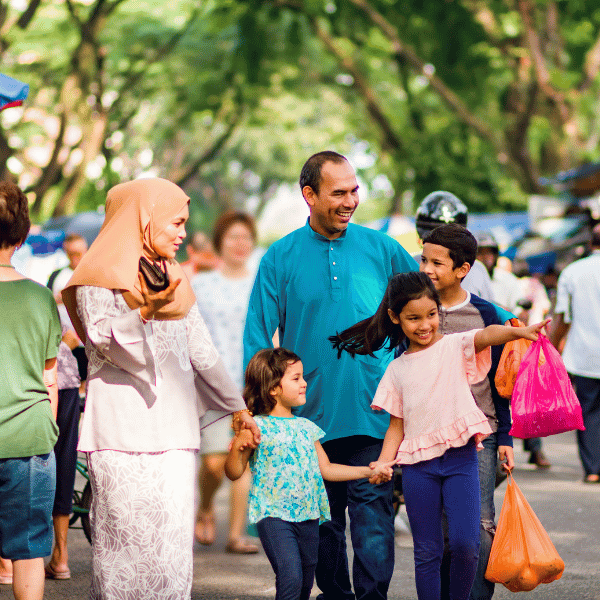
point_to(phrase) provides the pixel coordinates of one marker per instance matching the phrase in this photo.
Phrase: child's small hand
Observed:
(244, 439)
(381, 472)
(532, 332)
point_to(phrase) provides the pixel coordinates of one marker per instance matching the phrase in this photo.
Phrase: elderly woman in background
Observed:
(222, 297)
(153, 369)
(29, 339)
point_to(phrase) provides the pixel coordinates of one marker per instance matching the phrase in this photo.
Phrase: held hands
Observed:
(532, 332)
(243, 421)
(154, 301)
(244, 440)
(381, 471)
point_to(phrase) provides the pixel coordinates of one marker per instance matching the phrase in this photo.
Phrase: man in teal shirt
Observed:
(311, 284)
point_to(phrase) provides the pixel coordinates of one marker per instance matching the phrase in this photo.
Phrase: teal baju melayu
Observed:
(310, 287)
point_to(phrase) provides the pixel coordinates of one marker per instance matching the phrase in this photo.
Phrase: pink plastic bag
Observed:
(543, 400)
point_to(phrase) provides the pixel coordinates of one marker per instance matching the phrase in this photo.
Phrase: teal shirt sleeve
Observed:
(403, 262)
(263, 318)
(503, 314)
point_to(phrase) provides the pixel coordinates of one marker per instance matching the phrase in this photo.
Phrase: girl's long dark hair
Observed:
(371, 334)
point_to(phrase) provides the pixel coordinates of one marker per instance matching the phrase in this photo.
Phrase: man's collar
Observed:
(318, 236)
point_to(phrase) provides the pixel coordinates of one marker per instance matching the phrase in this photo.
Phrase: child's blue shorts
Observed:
(27, 488)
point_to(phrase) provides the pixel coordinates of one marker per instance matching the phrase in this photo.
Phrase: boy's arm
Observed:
(239, 454)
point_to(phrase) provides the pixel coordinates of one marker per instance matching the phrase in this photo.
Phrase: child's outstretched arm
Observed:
(335, 472)
(393, 438)
(239, 454)
(495, 335)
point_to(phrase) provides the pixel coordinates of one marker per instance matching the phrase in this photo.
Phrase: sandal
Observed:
(6, 579)
(592, 478)
(52, 573)
(205, 531)
(241, 546)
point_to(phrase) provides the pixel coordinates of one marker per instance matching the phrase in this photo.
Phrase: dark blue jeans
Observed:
(588, 393)
(371, 528)
(292, 550)
(448, 483)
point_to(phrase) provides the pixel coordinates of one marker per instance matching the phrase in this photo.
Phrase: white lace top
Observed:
(148, 384)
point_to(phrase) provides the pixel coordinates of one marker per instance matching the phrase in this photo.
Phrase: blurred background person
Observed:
(222, 296)
(65, 452)
(441, 208)
(201, 255)
(29, 338)
(505, 286)
(74, 247)
(577, 317)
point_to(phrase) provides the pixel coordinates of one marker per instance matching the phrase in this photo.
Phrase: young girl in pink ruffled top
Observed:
(435, 426)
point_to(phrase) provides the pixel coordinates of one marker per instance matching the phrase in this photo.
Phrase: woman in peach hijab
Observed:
(153, 371)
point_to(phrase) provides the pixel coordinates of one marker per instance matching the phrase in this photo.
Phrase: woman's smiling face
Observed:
(167, 242)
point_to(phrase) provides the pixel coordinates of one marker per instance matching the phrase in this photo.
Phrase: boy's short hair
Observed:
(460, 242)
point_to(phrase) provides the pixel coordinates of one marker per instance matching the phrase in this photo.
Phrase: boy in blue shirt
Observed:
(449, 251)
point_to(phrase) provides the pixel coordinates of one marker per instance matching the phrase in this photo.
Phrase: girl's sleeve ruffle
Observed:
(477, 365)
(388, 397)
(434, 444)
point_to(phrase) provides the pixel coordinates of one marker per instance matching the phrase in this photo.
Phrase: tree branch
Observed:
(403, 52)
(591, 66)
(209, 153)
(29, 13)
(391, 141)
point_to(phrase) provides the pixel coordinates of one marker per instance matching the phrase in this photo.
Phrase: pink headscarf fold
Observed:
(136, 212)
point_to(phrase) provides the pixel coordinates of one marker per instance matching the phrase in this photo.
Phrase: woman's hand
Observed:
(154, 301)
(244, 420)
(243, 440)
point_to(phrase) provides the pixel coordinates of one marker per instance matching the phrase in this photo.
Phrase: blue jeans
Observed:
(371, 528)
(292, 550)
(488, 460)
(448, 483)
(588, 393)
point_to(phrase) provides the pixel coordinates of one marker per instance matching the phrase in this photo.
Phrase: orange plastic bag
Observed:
(522, 554)
(510, 361)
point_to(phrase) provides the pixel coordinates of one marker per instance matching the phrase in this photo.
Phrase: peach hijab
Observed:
(136, 212)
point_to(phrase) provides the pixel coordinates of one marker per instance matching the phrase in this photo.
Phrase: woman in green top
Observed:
(29, 339)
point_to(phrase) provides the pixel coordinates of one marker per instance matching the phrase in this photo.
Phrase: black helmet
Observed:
(439, 208)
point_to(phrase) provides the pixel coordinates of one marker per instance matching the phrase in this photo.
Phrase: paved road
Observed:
(568, 509)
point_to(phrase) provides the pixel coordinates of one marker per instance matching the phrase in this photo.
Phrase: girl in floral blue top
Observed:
(287, 499)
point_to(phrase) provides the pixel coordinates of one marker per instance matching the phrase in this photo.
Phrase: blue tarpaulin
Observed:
(12, 92)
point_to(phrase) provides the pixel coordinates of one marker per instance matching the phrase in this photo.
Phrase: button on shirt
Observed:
(578, 299)
(311, 287)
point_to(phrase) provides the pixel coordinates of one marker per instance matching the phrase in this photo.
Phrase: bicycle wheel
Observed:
(86, 503)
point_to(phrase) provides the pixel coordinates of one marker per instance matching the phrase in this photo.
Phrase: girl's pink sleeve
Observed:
(477, 365)
(388, 396)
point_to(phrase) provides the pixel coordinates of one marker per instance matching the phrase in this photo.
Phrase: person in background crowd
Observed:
(75, 247)
(441, 208)
(29, 338)
(505, 285)
(222, 297)
(153, 369)
(577, 317)
(311, 284)
(201, 255)
(65, 452)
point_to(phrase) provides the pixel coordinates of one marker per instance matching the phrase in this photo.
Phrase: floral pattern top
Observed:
(287, 481)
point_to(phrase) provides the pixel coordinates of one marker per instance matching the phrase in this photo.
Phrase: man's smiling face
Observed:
(333, 206)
